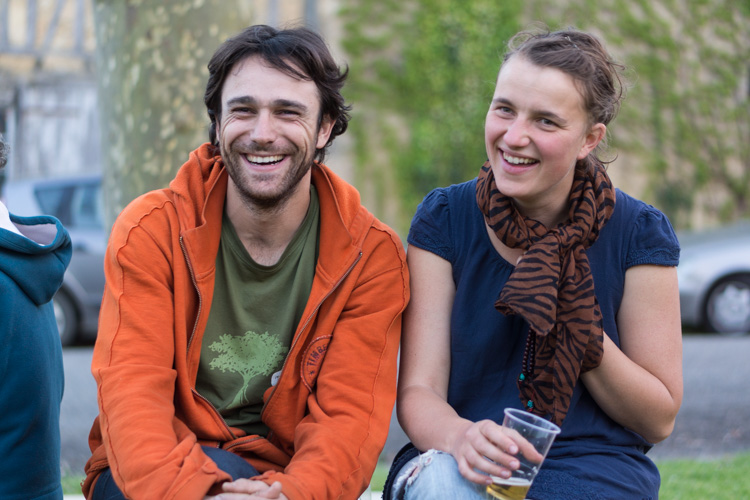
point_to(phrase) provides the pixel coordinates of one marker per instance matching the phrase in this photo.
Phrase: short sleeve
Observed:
(431, 225)
(653, 240)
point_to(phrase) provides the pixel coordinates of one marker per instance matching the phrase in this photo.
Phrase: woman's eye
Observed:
(503, 111)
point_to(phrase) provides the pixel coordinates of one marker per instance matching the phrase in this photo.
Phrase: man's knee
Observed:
(232, 464)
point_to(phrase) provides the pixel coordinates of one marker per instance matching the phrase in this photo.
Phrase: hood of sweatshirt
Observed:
(36, 255)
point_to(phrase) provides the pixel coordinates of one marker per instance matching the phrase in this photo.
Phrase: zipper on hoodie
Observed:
(304, 327)
(192, 335)
(197, 290)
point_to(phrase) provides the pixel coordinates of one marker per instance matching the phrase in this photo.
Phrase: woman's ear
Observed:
(594, 136)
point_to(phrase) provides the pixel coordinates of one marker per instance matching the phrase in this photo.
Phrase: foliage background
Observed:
(422, 74)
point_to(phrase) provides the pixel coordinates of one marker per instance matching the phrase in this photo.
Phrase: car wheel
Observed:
(728, 306)
(65, 316)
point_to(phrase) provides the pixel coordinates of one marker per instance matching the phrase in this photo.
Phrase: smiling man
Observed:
(252, 314)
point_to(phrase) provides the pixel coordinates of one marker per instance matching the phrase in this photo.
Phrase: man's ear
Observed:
(595, 135)
(217, 131)
(324, 131)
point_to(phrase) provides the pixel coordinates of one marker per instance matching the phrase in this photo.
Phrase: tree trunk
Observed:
(151, 71)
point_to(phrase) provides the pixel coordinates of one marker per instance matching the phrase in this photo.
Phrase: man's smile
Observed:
(264, 160)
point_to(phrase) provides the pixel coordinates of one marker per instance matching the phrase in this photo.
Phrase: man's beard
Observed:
(285, 187)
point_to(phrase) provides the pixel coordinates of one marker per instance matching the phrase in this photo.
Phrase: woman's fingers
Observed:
(525, 448)
(486, 448)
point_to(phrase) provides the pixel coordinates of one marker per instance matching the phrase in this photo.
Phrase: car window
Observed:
(55, 201)
(75, 205)
(86, 207)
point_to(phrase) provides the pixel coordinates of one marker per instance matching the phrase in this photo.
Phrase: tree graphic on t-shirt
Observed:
(249, 355)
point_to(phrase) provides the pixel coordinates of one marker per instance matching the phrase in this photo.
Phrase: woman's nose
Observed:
(517, 134)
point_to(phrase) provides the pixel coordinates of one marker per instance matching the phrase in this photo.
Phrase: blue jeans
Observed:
(235, 466)
(434, 474)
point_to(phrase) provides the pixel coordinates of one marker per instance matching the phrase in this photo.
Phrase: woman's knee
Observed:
(434, 474)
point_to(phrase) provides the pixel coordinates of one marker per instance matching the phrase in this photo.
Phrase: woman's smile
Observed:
(518, 160)
(535, 131)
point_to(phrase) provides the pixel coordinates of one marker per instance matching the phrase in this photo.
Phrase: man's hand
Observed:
(248, 489)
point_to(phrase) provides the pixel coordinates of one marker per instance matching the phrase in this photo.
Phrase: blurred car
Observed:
(714, 279)
(77, 203)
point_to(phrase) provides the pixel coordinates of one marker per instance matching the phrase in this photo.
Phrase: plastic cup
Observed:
(537, 431)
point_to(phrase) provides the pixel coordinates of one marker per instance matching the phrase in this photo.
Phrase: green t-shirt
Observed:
(254, 314)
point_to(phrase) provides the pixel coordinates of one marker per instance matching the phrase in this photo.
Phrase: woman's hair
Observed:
(298, 52)
(582, 56)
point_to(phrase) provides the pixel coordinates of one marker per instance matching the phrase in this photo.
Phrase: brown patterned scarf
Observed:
(552, 287)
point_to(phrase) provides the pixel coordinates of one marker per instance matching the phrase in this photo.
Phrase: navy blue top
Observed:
(593, 457)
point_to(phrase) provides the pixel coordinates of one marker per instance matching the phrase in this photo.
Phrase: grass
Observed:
(721, 479)
(381, 473)
(725, 478)
(72, 485)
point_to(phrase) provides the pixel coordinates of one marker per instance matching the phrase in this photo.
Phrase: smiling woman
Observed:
(538, 285)
(535, 132)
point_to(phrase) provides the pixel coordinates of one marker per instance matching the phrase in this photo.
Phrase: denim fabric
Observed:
(238, 468)
(403, 456)
(434, 474)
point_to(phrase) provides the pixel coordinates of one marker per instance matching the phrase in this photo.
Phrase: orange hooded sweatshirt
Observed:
(329, 413)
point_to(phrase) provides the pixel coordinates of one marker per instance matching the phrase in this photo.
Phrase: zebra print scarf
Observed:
(552, 287)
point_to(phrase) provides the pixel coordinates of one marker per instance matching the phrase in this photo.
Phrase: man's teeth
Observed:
(264, 160)
(517, 161)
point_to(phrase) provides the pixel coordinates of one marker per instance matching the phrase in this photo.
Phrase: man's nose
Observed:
(264, 129)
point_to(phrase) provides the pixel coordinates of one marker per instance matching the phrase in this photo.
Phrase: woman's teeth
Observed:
(517, 161)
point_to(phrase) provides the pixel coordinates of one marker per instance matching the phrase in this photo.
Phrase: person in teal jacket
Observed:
(34, 253)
